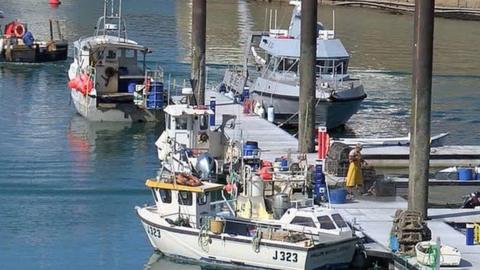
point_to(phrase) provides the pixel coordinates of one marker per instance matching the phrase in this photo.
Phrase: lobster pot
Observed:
(155, 97)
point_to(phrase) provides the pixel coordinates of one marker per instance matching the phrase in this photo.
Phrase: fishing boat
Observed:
(109, 79)
(191, 222)
(18, 45)
(428, 252)
(276, 55)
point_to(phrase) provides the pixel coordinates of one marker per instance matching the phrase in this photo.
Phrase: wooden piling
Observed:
(199, 25)
(421, 106)
(308, 53)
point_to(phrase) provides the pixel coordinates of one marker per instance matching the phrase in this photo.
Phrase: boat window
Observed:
(165, 195)
(202, 198)
(184, 198)
(167, 119)
(203, 122)
(339, 221)
(303, 221)
(326, 223)
(181, 123)
(130, 54)
(325, 66)
(154, 192)
(112, 54)
(287, 64)
(341, 66)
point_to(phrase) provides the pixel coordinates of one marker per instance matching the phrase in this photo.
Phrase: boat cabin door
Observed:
(181, 127)
(106, 70)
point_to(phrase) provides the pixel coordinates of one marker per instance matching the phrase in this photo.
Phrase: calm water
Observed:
(68, 188)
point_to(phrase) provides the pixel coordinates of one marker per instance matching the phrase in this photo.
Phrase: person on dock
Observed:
(354, 175)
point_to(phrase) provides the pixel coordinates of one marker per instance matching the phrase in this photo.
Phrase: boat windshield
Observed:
(326, 223)
(332, 66)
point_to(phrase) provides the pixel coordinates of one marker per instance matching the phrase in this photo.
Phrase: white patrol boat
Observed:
(276, 55)
(109, 80)
(196, 222)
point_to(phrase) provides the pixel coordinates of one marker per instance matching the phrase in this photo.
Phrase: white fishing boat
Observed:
(277, 54)
(188, 222)
(427, 252)
(109, 79)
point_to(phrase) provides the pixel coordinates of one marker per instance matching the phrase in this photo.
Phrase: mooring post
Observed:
(308, 53)
(199, 25)
(421, 106)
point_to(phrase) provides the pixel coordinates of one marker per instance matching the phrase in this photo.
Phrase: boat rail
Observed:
(326, 34)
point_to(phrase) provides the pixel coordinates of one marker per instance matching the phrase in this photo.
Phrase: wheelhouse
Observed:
(193, 203)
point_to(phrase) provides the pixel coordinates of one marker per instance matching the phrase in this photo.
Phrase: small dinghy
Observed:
(427, 252)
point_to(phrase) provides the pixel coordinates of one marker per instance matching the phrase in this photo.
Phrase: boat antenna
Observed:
(270, 21)
(265, 20)
(333, 18)
(276, 18)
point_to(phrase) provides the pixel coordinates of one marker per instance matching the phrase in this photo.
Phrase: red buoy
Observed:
(54, 2)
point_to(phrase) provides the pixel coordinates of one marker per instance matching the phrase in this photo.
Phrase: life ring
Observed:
(203, 138)
(19, 30)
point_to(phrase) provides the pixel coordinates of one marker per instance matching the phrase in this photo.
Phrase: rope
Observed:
(256, 241)
(203, 237)
(433, 255)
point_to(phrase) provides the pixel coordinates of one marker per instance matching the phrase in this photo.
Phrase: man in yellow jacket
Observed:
(354, 176)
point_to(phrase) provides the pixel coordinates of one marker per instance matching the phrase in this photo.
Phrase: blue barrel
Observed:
(155, 96)
(245, 94)
(250, 148)
(469, 235)
(465, 174)
(284, 164)
(131, 87)
(338, 195)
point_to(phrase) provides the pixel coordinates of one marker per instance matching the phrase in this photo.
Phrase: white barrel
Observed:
(270, 114)
(256, 186)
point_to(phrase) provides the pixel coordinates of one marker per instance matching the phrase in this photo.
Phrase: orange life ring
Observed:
(19, 30)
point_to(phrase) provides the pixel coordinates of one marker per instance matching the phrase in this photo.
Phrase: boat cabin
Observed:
(283, 55)
(117, 64)
(315, 220)
(185, 205)
(189, 127)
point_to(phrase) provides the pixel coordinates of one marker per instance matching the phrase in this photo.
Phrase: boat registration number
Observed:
(285, 256)
(153, 231)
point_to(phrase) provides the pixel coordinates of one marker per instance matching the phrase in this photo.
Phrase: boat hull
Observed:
(35, 54)
(120, 112)
(183, 242)
(332, 113)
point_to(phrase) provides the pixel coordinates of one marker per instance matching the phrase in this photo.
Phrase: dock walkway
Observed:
(273, 141)
(374, 217)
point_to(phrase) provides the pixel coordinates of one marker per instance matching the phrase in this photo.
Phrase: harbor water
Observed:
(68, 187)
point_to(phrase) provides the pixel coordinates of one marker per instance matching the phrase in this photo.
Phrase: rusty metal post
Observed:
(308, 54)
(199, 25)
(421, 106)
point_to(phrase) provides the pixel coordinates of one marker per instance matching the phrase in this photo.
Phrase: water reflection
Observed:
(159, 261)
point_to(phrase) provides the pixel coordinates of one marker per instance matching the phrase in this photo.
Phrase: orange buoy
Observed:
(266, 173)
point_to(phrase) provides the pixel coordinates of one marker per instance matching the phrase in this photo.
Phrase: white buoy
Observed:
(270, 114)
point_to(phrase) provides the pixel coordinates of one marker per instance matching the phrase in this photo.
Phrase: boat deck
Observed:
(374, 217)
